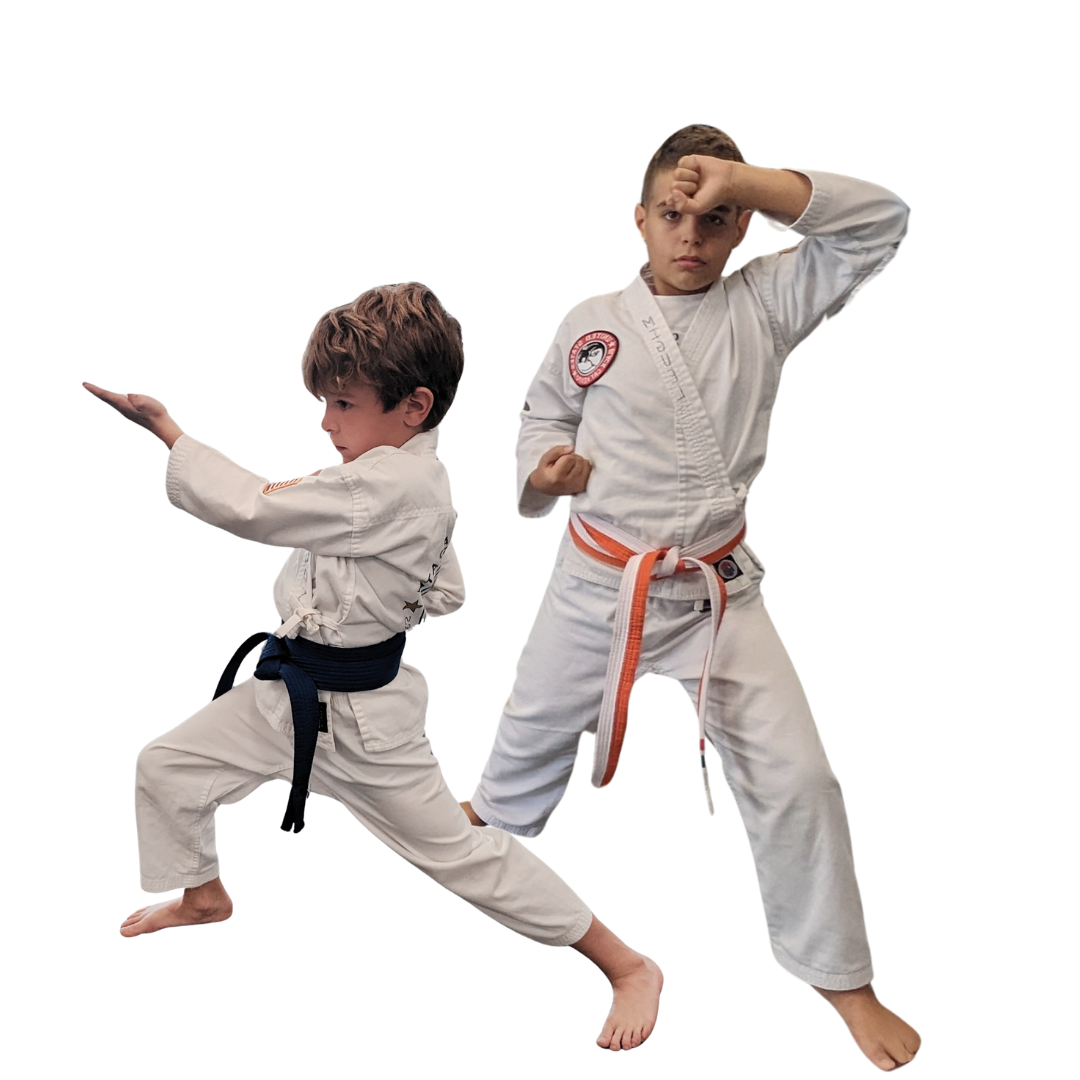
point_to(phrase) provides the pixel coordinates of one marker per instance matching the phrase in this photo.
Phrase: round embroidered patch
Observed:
(728, 568)
(591, 355)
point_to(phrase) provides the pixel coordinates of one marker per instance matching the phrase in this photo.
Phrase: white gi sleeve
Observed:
(550, 418)
(448, 593)
(313, 512)
(851, 229)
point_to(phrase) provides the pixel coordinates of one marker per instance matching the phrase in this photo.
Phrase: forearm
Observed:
(774, 191)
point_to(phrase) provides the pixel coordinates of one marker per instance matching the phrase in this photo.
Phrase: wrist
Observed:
(168, 432)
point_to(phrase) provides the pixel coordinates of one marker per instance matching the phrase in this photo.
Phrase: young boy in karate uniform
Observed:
(651, 410)
(373, 556)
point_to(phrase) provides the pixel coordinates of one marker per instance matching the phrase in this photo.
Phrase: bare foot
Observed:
(205, 904)
(633, 1008)
(881, 1035)
(635, 981)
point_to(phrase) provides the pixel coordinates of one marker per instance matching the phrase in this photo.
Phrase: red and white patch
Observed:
(591, 355)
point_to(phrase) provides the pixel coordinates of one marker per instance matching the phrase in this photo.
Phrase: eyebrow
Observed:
(723, 208)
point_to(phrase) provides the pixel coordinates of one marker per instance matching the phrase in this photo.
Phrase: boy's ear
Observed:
(417, 405)
(741, 226)
(639, 216)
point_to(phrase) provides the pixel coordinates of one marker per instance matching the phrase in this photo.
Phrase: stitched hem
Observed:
(178, 881)
(484, 812)
(827, 980)
(575, 933)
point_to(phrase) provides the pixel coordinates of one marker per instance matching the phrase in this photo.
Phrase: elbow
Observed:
(899, 218)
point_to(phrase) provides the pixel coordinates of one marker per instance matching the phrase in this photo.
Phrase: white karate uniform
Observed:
(373, 555)
(686, 421)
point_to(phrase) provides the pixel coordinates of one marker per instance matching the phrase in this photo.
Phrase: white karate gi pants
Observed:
(759, 722)
(226, 750)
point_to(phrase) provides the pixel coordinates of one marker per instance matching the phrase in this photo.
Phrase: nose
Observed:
(691, 228)
(327, 423)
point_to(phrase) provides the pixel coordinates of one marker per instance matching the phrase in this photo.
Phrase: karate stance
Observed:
(652, 410)
(332, 708)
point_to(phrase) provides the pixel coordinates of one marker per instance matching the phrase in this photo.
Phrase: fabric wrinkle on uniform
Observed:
(697, 458)
(372, 557)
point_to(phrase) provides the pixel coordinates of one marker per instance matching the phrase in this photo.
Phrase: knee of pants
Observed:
(808, 784)
(150, 767)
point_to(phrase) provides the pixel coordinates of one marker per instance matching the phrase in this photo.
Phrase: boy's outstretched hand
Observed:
(561, 472)
(146, 411)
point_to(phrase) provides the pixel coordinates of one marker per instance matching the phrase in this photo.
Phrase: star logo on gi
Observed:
(411, 605)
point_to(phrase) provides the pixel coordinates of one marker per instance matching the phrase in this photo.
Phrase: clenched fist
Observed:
(561, 472)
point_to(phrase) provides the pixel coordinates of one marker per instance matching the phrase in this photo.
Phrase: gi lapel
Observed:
(691, 418)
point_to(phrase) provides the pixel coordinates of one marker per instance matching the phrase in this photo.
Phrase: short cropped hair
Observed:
(692, 139)
(394, 337)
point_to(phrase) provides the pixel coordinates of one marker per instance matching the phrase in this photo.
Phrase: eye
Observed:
(717, 221)
(343, 405)
(672, 215)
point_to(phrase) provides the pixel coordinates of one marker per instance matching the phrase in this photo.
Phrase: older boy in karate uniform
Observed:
(652, 411)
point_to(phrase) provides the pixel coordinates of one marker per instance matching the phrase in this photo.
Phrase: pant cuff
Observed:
(161, 886)
(579, 931)
(824, 980)
(486, 814)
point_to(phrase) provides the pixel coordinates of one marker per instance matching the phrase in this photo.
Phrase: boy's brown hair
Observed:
(394, 337)
(692, 139)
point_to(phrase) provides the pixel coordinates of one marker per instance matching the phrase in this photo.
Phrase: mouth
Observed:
(688, 262)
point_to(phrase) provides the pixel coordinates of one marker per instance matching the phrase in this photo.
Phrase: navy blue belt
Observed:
(306, 667)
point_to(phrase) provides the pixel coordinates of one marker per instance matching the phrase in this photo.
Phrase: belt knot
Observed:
(668, 565)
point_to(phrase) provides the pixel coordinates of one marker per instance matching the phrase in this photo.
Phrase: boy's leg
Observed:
(556, 696)
(219, 755)
(400, 796)
(761, 725)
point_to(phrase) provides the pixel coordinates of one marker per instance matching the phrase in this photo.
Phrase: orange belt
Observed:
(641, 564)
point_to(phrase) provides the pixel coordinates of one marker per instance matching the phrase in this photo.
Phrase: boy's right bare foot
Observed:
(205, 904)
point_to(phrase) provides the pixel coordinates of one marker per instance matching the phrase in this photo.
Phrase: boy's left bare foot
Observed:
(634, 1007)
(636, 983)
(881, 1035)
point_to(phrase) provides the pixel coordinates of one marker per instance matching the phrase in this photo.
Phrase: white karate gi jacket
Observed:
(373, 556)
(649, 475)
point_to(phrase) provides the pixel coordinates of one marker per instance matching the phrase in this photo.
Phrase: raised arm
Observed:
(205, 483)
(851, 229)
(702, 183)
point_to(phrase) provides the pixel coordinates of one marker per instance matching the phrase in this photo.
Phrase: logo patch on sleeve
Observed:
(591, 355)
(271, 488)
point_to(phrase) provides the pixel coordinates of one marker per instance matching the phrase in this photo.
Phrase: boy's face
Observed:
(687, 252)
(356, 423)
